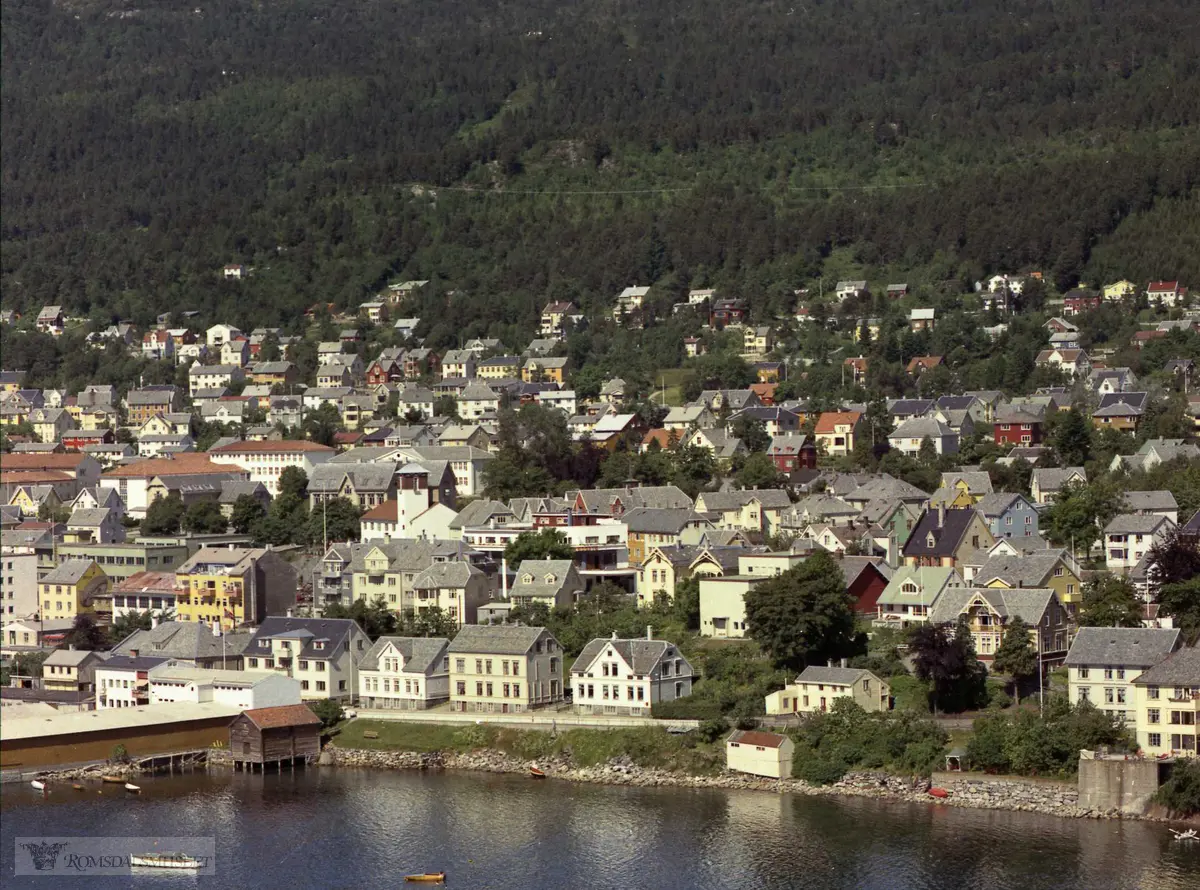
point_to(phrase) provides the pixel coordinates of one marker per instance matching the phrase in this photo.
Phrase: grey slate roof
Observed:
(186, 640)
(946, 538)
(1150, 500)
(648, 520)
(1135, 524)
(885, 487)
(1028, 604)
(446, 575)
(1028, 570)
(497, 639)
(836, 675)
(563, 571)
(88, 518)
(997, 503)
(1180, 668)
(920, 428)
(641, 655)
(1054, 478)
(771, 498)
(363, 476)
(68, 572)
(1138, 647)
(422, 655)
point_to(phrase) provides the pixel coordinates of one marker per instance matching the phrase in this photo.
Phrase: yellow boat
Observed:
(431, 877)
(113, 779)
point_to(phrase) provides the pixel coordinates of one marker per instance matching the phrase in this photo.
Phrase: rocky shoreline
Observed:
(1042, 797)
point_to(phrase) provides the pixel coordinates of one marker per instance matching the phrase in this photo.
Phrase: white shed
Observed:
(759, 754)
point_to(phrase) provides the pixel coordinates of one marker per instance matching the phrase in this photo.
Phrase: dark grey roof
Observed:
(648, 520)
(1027, 570)
(837, 675)
(1028, 604)
(492, 639)
(1131, 399)
(885, 487)
(642, 656)
(1181, 668)
(946, 537)
(1054, 478)
(334, 631)
(446, 574)
(998, 503)
(363, 476)
(69, 572)
(129, 663)
(1138, 647)
(422, 655)
(771, 498)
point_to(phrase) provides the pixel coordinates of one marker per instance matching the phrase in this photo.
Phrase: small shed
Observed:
(759, 753)
(956, 760)
(288, 734)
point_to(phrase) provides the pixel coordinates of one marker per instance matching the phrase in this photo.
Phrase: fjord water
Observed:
(361, 830)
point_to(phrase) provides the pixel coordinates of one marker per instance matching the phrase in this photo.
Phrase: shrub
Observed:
(329, 711)
(1181, 792)
(713, 729)
(816, 770)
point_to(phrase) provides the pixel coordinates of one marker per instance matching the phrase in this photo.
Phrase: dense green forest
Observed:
(534, 149)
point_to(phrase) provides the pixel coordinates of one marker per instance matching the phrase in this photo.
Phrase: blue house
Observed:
(1008, 515)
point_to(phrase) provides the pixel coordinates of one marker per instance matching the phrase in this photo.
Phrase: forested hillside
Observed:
(534, 149)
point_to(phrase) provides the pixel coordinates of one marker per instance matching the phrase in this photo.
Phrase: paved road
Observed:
(537, 720)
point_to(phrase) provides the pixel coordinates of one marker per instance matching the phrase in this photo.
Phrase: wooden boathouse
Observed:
(287, 734)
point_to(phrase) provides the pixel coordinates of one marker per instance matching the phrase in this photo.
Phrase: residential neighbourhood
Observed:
(409, 531)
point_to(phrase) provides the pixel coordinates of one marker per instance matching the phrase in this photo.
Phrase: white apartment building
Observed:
(267, 460)
(404, 673)
(1103, 662)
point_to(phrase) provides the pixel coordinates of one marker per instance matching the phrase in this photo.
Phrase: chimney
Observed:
(71, 648)
(649, 632)
(843, 662)
(941, 514)
(289, 613)
(503, 578)
(133, 653)
(614, 635)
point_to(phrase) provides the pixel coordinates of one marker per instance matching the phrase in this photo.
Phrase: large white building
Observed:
(18, 583)
(613, 676)
(267, 460)
(125, 681)
(404, 673)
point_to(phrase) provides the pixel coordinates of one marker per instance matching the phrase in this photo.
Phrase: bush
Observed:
(1181, 792)
(713, 729)
(847, 737)
(910, 694)
(329, 711)
(472, 737)
(817, 771)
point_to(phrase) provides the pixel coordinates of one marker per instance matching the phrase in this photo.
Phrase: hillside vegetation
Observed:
(534, 149)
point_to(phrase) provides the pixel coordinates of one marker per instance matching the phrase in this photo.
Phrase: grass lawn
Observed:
(401, 736)
(672, 379)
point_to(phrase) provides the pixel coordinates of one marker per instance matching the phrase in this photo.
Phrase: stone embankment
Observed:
(1048, 798)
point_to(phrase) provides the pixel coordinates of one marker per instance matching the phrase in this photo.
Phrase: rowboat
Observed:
(939, 792)
(163, 860)
(430, 877)
(79, 787)
(1189, 835)
(536, 773)
(115, 780)
(38, 786)
(133, 789)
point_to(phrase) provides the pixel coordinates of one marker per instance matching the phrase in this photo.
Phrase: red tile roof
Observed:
(830, 420)
(65, 462)
(178, 465)
(385, 512)
(282, 715)
(661, 436)
(1162, 286)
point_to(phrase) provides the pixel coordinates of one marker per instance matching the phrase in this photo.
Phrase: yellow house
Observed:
(234, 586)
(70, 670)
(818, 688)
(505, 669)
(29, 499)
(1119, 290)
(377, 577)
(71, 589)
(1168, 705)
(1053, 569)
(544, 370)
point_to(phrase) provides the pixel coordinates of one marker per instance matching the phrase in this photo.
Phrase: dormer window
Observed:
(930, 540)
(550, 578)
(527, 579)
(909, 588)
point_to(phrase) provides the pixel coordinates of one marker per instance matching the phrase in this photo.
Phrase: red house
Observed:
(793, 452)
(726, 312)
(76, 440)
(384, 372)
(864, 581)
(1080, 300)
(1018, 428)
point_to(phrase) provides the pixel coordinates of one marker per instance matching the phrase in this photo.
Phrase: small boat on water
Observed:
(536, 772)
(1189, 835)
(163, 860)
(79, 787)
(940, 793)
(38, 786)
(430, 877)
(133, 789)
(115, 780)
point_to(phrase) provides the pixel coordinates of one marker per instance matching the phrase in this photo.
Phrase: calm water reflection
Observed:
(350, 829)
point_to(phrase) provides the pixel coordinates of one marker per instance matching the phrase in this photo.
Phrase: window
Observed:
(460, 665)
(1108, 673)
(479, 665)
(1155, 740)
(1153, 715)
(1152, 693)
(1120, 696)
(1083, 673)
(460, 687)
(320, 686)
(253, 662)
(318, 666)
(479, 689)
(516, 668)
(516, 690)
(304, 686)
(489, 690)
(303, 665)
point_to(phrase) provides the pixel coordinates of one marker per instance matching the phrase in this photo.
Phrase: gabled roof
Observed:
(70, 571)
(1135, 524)
(1181, 668)
(1054, 478)
(422, 655)
(837, 676)
(493, 639)
(1138, 647)
(756, 738)
(282, 716)
(1027, 570)
(1150, 500)
(649, 520)
(1028, 604)
(931, 539)
(642, 656)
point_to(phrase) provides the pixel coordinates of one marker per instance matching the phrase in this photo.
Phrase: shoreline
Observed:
(1012, 794)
